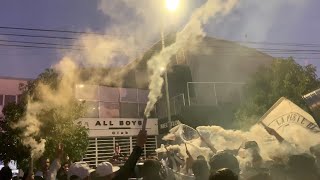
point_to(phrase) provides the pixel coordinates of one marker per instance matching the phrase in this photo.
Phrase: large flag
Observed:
(285, 113)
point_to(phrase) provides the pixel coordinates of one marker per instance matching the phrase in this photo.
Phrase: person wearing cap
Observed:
(49, 171)
(79, 171)
(105, 171)
(38, 175)
(152, 170)
(200, 169)
(223, 174)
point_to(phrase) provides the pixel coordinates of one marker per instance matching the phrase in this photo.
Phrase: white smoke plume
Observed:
(48, 98)
(297, 140)
(189, 35)
(31, 126)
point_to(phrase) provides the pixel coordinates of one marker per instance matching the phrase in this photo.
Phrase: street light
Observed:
(171, 5)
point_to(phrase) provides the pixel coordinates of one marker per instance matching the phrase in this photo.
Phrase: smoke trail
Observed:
(31, 127)
(190, 34)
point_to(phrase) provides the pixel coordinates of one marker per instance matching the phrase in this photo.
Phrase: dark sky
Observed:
(287, 21)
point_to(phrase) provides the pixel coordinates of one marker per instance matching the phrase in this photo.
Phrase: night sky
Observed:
(291, 21)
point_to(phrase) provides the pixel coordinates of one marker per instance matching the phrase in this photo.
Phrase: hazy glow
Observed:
(162, 69)
(80, 85)
(172, 5)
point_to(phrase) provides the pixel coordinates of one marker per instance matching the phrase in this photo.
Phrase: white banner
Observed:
(100, 127)
(285, 113)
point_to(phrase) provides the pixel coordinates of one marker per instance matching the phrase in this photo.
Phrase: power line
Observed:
(47, 30)
(42, 47)
(38, 43)
(70, 47)
(37, 36)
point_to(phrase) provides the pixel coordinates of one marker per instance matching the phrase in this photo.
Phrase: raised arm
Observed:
(127, 169)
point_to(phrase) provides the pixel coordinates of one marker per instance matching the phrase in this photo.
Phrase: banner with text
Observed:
(99, 127)
(285, 113)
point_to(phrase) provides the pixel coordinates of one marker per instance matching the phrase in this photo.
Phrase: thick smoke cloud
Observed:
(297, 140)
(190, 34)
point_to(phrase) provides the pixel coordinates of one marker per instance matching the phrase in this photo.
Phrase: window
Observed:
(19, 98)
(9, 99)
(109, 110)
(129, 110)
(87, 92)
(92, 109)
(1, 99)
(143, 96)
(108, 94)
(128, 95)
(141, 109)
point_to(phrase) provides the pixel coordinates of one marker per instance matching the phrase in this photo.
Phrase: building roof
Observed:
(210, 43)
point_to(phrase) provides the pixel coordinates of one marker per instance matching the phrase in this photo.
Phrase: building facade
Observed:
(10, 90)
(206, 81)
(114, 116)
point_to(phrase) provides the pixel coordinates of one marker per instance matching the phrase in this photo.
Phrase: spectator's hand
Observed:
(142, 138)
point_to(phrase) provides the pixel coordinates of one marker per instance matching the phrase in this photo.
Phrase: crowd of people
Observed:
(171, 165)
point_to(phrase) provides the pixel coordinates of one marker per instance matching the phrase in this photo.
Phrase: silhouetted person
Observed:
(224, 160)
(62, 173)
(261, 176)
(251, 151)
(200, 157)
(5, 172)
(200, 169)
(27, 176)
(151, 170)
(302, 166)
(223, 174)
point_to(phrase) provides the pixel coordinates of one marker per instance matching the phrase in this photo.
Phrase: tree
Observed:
(10, 142)
(58, 122)
(283, 78)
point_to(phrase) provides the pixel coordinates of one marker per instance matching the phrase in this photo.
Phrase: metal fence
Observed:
(214, 93)
(101, 149)
(176, 105)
